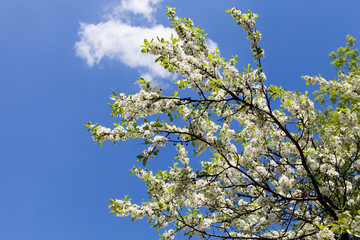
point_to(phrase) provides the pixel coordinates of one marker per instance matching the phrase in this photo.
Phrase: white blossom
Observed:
(270, 165)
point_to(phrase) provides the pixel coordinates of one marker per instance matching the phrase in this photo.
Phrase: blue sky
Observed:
(60, 58)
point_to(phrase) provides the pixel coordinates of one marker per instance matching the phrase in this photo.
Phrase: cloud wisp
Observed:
(146, 8)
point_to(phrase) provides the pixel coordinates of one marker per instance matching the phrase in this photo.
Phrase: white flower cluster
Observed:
(247, 22)
(325, 234)
(270, 167)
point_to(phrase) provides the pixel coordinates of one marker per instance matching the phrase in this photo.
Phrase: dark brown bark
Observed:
(344, 236)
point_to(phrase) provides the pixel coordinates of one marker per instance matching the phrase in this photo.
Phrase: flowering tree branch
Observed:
(279, 168)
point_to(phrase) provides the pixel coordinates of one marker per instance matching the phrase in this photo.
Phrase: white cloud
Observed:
(118, 39)
(121, 40)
